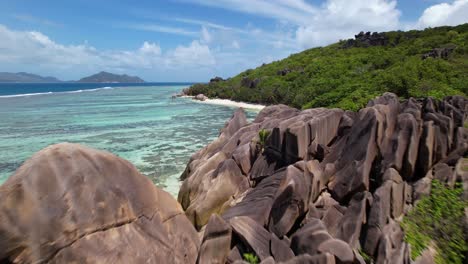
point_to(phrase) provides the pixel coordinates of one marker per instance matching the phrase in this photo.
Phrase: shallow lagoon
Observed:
(142, 124)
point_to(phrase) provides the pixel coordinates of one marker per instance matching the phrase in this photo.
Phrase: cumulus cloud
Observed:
(193, 54)
(445, 14)
(317, 25)
(339, 19)
(23, 49)
(35, 47)
(150, 48)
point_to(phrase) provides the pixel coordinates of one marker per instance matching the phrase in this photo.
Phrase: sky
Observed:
(192, 40)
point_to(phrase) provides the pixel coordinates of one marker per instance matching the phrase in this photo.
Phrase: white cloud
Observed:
(290, 10)
(150, 48)
(35, 47)
(445, 14)
(200, 23)
(162, 29)
(222, 35)
(317, 25)
(298, 4)
(194, 54)
(340, 19)
(30, 49)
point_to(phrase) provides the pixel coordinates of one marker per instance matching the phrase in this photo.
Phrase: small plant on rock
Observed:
(251, 258)
(262, 136)
(368, 259)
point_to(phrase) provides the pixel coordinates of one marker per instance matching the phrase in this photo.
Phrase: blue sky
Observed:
(192, 40)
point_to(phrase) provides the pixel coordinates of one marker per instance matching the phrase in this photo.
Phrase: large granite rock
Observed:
(291, 201)
(204, 190)
(253, 235)
(213, 179)
(216, 243)
(308, 238)
(332, 182)
(73, 204)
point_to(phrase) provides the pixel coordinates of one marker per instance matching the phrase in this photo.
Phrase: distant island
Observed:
(101, 77)
(24, 77)
(107, 77)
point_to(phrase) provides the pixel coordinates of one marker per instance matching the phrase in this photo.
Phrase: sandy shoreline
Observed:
(226, 102)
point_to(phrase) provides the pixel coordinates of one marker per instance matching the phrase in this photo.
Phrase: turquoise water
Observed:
(141, 124)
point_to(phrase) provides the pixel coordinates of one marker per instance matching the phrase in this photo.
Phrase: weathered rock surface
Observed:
(200, 196)
(216, 243)
(72, 204)
(331, 182)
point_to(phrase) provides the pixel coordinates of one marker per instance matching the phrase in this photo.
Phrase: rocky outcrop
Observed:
(439, 53)
(326, 184)
(216, 79)
(72, 204)
(367, 39)
(200, 97)
(249, 82)
(283, 72)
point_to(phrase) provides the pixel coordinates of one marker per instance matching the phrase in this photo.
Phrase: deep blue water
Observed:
(8, 89)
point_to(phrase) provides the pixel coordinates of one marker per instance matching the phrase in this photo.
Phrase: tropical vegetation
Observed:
(417, 63)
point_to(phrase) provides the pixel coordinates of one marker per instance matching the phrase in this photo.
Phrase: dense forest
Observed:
(431, 62)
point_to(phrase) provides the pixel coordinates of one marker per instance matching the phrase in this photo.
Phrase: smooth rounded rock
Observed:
(70, 203)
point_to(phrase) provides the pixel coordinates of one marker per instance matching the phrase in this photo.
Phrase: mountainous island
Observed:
(359, 157)
(106, 77)
(101, 77)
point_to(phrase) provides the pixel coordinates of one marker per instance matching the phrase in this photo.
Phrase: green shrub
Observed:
(438, 219)
(262, 136)
(251, 258)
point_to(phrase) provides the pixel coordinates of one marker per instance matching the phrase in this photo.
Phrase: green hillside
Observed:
(432, 62)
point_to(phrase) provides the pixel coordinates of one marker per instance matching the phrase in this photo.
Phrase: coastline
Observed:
(227, 102)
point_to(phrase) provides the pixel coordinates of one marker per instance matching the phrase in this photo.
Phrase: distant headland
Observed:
(101, 77)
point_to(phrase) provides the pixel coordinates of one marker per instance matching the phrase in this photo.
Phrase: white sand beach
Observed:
(227, 102)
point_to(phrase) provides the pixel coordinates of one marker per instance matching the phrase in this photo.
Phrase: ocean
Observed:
(138, 122)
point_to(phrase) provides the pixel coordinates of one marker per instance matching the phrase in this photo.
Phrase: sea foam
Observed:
(48, 93)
